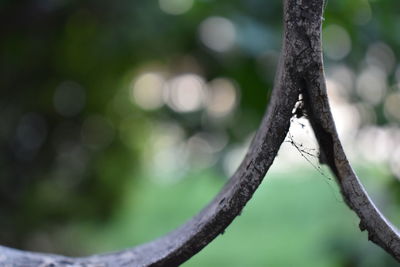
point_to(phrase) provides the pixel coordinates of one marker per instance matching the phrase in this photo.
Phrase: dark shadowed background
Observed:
(121, 119)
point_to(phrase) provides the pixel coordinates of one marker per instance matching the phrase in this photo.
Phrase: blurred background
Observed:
(122, 119)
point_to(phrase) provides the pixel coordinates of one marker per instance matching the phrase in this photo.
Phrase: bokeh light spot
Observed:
(175, 7)
(382, 56)
(391, 106)
(363, 13)
(398, 74)
(185, 93)
(337, 42)
(371, 85)
(218, 34)
(147, 91)
(222, 97)
(344, 78)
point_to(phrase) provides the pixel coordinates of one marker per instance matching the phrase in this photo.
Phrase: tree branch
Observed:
(300, 71)
(311, 75)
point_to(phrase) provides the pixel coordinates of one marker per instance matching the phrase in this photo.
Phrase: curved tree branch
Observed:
(184, 242)
(300, 71)
(311, 76)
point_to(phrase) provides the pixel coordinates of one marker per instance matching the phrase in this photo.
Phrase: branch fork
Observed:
(300, 71)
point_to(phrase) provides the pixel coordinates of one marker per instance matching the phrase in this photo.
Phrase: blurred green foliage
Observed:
(73, 140)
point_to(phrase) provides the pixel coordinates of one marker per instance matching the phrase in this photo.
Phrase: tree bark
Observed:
(310, 75)
(300, 71)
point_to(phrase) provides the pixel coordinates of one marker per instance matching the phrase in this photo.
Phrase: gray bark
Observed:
(300, 71)
(310, 75)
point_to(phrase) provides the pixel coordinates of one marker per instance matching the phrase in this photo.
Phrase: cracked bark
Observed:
(300, 71)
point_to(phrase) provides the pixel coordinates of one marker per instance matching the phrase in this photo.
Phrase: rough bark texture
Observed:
(310, 75)
(300, 71)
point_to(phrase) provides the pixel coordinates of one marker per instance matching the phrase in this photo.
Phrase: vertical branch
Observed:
(380, 231)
